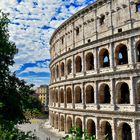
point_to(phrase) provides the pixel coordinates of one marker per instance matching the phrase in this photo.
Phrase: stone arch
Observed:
(124, 132)
(138, 51)
(62, 123)
(122, 93)
(91, 129)
(69, 124)
(78, 97)
(56, 121)
(57, 71)
(69, 95)
(62, 69)
(69, 66)
(104, 94)
(89, 61)
(89, 94)
(62, 95)
(138, 93)
(106, 130)
(79, 123)
(78, 64)
(121, 55)
(104, 58)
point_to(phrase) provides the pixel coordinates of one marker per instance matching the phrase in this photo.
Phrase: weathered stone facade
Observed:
(95, 71)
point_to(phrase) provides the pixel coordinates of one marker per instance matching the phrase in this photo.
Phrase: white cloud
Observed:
(26, 28)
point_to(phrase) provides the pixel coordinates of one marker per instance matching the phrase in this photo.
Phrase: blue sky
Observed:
(32, 24)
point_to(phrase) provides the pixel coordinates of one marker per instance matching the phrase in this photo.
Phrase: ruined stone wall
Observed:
(95, 76)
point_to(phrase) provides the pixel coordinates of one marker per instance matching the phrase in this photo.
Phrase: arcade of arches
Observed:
(95, 81)
(87, 62)
(98, 127)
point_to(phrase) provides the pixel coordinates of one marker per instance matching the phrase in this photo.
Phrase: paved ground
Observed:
(42, 130)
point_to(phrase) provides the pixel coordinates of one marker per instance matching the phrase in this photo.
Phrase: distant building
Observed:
(43, 95)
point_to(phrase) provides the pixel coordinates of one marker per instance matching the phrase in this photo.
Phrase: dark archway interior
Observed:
(89, 61)
(69, 66)
(106, 62)
(108, 131)
(122, 55)
(138, 53)
(124, 94)
(126, 132)
(78, 64)
(91, 129)
(89, 94)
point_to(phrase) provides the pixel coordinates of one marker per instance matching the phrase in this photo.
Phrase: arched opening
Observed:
(69, 66)
(104, 94)
(56, 121)
(91, 129)
(138, 93)
(121, 55)
(79, 123)
(104, 58)
(69, 95)
(78, 98)
(89, 61)
(78, 63)
(106, 131)
(62, 69)
(62, 123)
(57, 71)
(124, 132)
(61, 96)
(123, 93)
(69, 124)
(138, 52)
(89, 94)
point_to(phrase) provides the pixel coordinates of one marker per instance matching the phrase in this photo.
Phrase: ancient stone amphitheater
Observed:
(95, 71)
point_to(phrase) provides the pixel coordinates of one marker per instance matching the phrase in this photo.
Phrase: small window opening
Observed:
(102, 20)
(77, 31)
(62, 40)
(138, 7)
(89, 40)
(119, 30)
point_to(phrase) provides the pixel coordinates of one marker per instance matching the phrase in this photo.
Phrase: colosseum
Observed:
(95, 71)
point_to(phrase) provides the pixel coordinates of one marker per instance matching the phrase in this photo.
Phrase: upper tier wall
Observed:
(101, 19)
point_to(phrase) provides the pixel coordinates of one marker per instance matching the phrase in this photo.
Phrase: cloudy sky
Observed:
(32, 24)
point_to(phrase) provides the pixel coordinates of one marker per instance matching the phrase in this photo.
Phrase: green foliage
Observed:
(15, 94)
(76, 134)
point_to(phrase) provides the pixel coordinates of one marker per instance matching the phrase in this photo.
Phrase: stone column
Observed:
(73, 66)
(73, 36)
(97, 128)
(96, 94)
(83, 62)
(65, 123)
(58, 96)
(133, 130)
(111, 59)
(96, 59)
(112, 92)
(65, 102)
(83, 29)
(114, 129)
(130, 51)
(73, 97)
(132, 91)
(83, 95)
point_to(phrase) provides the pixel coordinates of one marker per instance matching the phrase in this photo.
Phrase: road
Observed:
(37, 127)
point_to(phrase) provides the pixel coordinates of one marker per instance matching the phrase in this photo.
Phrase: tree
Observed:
(15, 97)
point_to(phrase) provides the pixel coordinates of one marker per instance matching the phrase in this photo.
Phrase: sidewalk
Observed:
(52, 133)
